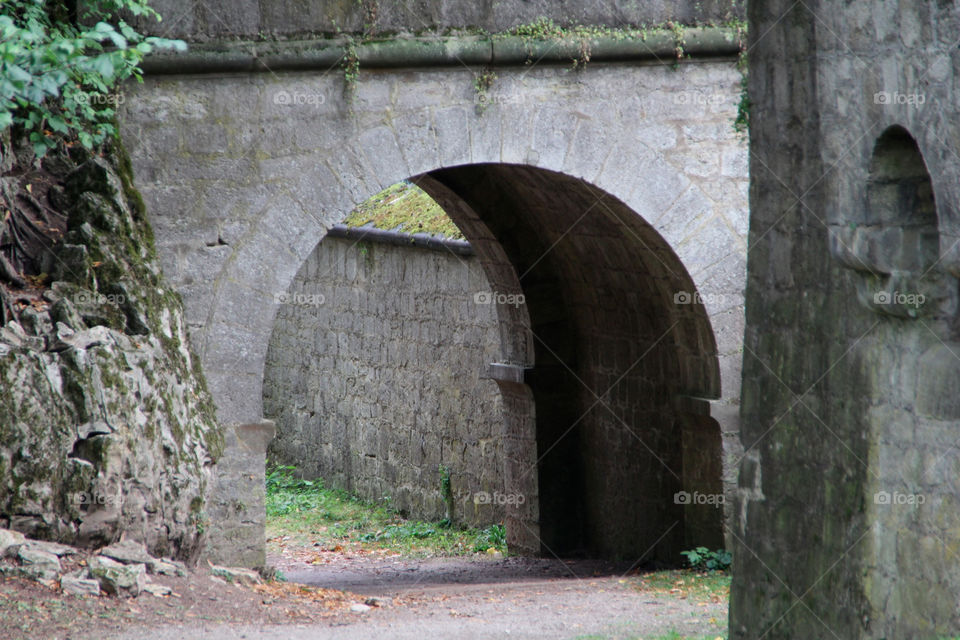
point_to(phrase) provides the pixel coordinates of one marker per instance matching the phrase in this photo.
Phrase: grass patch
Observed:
(404, 207)
(305, 513)
(711, 586)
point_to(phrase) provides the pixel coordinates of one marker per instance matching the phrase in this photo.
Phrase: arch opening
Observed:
(603, 370)
(902, 213)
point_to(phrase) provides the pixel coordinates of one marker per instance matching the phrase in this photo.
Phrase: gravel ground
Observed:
(343, 594)
(472, 598)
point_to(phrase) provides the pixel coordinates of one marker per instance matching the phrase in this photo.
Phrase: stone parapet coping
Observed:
(411, 52)
(385, 236)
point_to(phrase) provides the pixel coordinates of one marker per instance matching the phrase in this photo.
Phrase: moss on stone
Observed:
(407, 208)
(47, 433)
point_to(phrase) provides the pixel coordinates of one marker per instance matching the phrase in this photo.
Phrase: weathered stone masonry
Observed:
(848, 516)
(248, 19)
(376, 373)
(609, 197)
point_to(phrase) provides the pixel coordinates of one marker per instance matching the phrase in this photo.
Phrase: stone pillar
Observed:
(727, 414)
(236, 535)
(520, 480)
(703, 513)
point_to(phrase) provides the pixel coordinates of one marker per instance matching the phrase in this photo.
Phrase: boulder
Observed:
(79, 586)
(168, 568)
(37, 564)
(56, 549)
(237, 575)
(10, 541)
(117, 578)
(157, 589)
(128, 552)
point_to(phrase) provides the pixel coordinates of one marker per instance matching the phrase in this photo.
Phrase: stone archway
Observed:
(243, 192)
(606, 368)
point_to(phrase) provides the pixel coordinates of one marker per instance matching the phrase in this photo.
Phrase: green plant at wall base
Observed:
(493, 537)
(307, 513)
(58, 75)
(445, 487)
(283, 477)
(446, 490)
(702, 559)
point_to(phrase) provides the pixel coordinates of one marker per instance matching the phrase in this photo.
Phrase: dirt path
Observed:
(473, 598)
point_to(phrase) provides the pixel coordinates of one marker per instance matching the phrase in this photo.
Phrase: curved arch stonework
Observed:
(243, 175)
(250, 185)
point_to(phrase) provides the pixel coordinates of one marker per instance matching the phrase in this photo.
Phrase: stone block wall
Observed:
(238, 501)
(375, 376)
(627, 240)
(848, 518)
(255, 18)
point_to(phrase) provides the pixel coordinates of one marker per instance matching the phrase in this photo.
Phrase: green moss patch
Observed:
(407, 208)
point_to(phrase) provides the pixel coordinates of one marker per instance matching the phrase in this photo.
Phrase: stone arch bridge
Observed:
(613, 196)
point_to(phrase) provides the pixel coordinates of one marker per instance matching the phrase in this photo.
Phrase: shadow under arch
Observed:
(605, 370)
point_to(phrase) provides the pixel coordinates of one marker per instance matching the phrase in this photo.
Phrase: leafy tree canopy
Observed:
(61, 62)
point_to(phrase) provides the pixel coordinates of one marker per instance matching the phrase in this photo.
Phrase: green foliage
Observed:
(58, 75)
(283, 480)
(351, 68)
(544, 29)
(402, 532)
(200, 522)
(494, 536)
(742, 122)
(482, 83)
(702, 559)
(678, 39)
(445, 487)
(310, 514)
(540, 29)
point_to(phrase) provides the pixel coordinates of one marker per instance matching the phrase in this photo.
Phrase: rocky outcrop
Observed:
(106, 426)
(120, 569)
